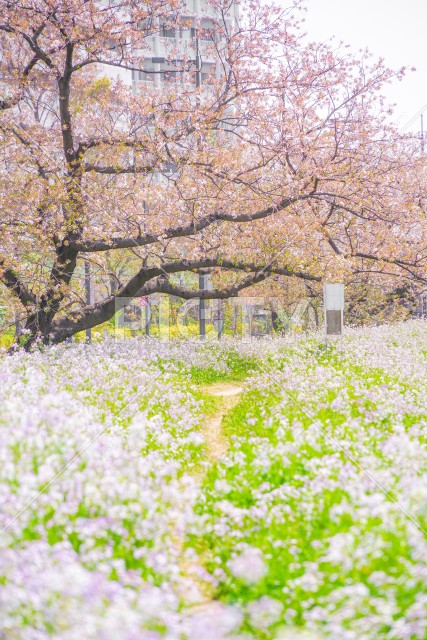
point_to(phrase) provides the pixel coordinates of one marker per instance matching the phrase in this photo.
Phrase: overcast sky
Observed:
(393, 29)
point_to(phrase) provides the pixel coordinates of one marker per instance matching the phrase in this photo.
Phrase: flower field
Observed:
(119, 523)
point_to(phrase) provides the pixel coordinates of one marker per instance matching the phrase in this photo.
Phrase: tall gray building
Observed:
(187, 39)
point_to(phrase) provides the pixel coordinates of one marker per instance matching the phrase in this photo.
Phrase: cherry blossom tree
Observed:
(276, 161)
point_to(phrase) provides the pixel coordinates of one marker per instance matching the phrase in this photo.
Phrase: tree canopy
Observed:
(277, 158)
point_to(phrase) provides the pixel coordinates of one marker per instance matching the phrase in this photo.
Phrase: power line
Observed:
(413, 119)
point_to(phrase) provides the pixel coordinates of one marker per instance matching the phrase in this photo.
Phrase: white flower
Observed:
(249, 566)
(293, 633)
(222, 486)
(214, 621)
(265, 612)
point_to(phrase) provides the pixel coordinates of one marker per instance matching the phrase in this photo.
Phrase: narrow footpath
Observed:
(216, 443)
(198, 591)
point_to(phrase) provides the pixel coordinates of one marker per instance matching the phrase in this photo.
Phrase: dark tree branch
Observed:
(107, 142)
(8, 103)
(16, 286)
(409, 277)
(41, 55)
(154, 279)
(135, 284)
(163, 285)
(41, 169)
(183, 231)
(148, 238)
(396, 261)
(64, 108)
(115, 171)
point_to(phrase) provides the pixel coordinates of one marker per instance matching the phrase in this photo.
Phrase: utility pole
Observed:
(147, 317)
(88, 296)
(202, 306)
(220, 319)
(147, 308)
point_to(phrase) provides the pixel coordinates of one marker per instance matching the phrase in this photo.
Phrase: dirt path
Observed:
(198, 591)
(229, 393)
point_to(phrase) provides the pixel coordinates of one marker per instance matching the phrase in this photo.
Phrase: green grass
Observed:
(209, 404)
(255, 405)
(238, 369)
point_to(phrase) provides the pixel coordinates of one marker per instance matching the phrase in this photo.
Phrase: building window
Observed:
(169, 31)
(207, 31)
(147, 24)
(181, 30)
(190, 6)
(208, 73)
(169, 168)
(145, 75)
(169, 74)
